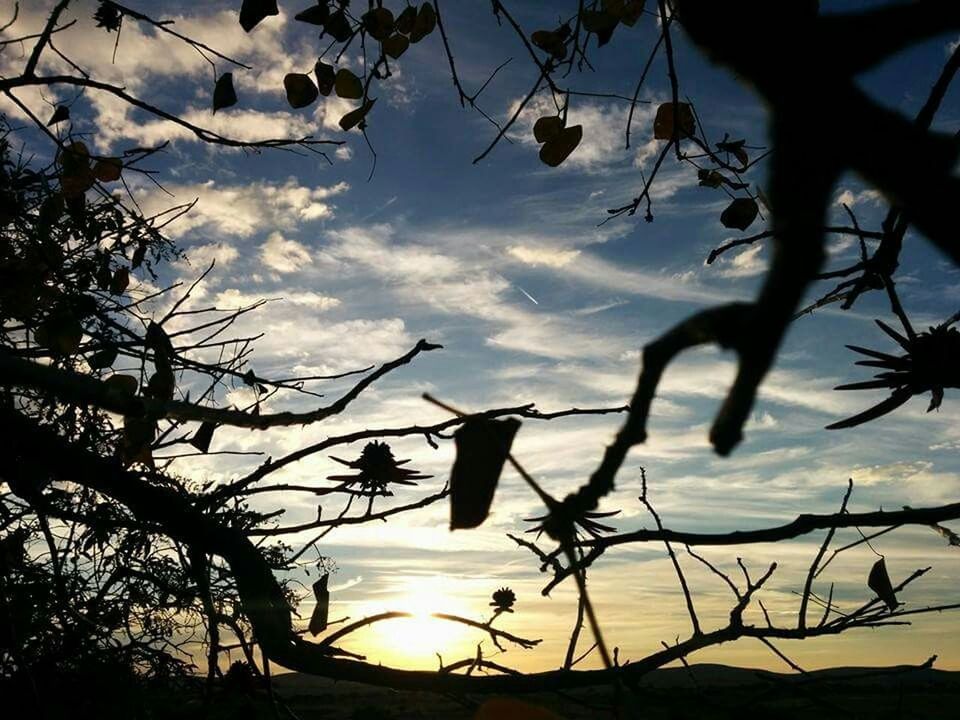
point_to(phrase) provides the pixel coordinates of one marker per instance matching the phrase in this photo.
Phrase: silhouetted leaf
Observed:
(667, 118)
(348, 85)
(378, 23)
(318, 620)
(122, 384)
(338, 27)
(740, 213)
(59, 115)
(224, 95)
(107, 169)
(315, 15)
(354, 117)
(896, 399)
(396, 45)
(510, 709)
(202, 437)
(879, 582)
(600, 23)
(550, 41)
(406, 19)
(735, 148)
(119, 281)
(325, 77)
(139, 433)
(300, 89)
(558, 148)
(103, 358)
(546, 128)
(253, 11)
(632, 12)
(61, 332)
(424, 24)
(108, 16)
(482, 448)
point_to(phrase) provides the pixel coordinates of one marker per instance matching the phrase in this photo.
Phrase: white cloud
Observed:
(550, 257)
(283, 255)
(745, 263)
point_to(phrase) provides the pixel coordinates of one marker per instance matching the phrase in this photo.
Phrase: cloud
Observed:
(745, 263)
(235, 298)
(243, 210)
(550, 257)
(283, 255)
(849, 198)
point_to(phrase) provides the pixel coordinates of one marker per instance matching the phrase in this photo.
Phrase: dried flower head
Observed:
(503, 600)
(587, 521)
(378, 469)
(931, 363)
(108, 16)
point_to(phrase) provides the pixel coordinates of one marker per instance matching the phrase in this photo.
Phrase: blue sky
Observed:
(504, 263)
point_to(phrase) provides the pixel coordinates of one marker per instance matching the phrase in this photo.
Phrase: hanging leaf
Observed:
(108, 169)
(103, 358)
(318, 620)
(740, 214)
(406, 19)
(76, 177)
(59, 115)
(348, 85)
(119, 281)
(735, 148)
(224, 95)
(355, 117)
(395, 45)
(510, 709)
(325, 77)
(378, 23)
(314, 15)
(61, 332)
(600, 23)
(550, 41)
(879, 582)
(202, 437)
(547, 128)
(667, 119)
(632, 12)
(338, 27)
(139, 432)
(558, 148)
(301, 91)
(253, 11)
(714, 179)
(482, 448)
(122, 384)
(424, 24)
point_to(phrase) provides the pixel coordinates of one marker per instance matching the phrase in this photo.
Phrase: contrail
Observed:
(529, 296)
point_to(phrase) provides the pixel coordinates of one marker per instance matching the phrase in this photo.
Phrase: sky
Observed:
(507, 265)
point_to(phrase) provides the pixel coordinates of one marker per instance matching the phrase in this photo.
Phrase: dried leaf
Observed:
(224, 95)
(338, 27)
(122, 384)
(119, 281)
(325, 75)
(740, 213)
(879, 582)
(632, 12)
(59, 115)
(735, 148)
(102, 358)
(314, 15)
(108, 169)
(550, 41)
(482, 448)
(318, 620)
(406, 19)
(348, 85)
(396, 45)
(558, 148)
(546, 128)
(253, 11)
(668, 118)
(424, 24)
(61, 332)
(510, 709)
(378, 23)
(300, 89)
(355, 117)
(600, 23)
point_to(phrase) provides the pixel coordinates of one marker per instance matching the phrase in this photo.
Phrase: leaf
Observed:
(139, 433)
(740, 214)
(61, 332)
(667, 119)
(406, 19)
(325, 77)
(424, 24)
(103, 358)
(600, 23)
(355, 117)
(122, 384)
(550, 42)
(314, 15)
(558, 148)
(59, 115)
(338, 27)
(482, 448)
(253, 11)
(896, 399)
(119, 281)
(879, 582)
(546, 128)
(395, 45)
(709, 178)
(378, 23)
(202, 437)
(318, 620)
(301, 91)
(510, 709)
(735, 148)
(632, 12)
(224, 95)
(108, 169)
(348, 85)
